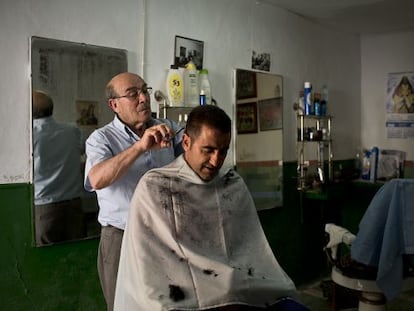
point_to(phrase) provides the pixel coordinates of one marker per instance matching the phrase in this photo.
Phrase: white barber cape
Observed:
(193, 245)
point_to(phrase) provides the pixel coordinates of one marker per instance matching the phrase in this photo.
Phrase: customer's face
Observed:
(206, 153)
(133, 106)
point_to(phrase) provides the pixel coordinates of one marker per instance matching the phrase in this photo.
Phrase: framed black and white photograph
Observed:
(187, 49)
(261, 61)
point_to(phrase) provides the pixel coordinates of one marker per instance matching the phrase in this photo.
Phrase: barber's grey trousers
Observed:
(108, 261)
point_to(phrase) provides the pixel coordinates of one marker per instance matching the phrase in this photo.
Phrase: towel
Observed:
(386, 233)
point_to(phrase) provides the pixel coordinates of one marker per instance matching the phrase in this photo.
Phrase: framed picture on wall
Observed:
(270, 114)
(246, 118)
(246, 84)
(87, 113)
(187, 49)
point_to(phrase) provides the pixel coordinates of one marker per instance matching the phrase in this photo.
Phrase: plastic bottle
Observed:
(366, 165)
(374, 164)
(317, 104)
(175, 87)
(180, 120)
(358, 164)
(307, 97)
(191, 93)
(205, 85)
(203, 98)
(324, 101)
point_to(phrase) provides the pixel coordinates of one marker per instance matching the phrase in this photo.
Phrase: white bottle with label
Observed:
(205, 85)
(191, 90)
(175, 87)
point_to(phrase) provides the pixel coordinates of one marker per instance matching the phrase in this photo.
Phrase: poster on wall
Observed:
(400, 105)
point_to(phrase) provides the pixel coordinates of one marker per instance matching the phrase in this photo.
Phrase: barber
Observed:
(118, 154)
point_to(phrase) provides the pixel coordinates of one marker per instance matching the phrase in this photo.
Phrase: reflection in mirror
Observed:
(68, 83)
(259, 135)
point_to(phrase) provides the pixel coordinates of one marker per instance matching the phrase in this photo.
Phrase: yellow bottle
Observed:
(175, 87)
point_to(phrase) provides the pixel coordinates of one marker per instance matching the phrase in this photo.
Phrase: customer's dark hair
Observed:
(209, 115)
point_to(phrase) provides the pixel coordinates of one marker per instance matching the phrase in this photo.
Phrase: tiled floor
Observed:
(316, 299)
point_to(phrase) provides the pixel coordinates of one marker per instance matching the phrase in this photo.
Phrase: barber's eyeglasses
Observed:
(133, 94)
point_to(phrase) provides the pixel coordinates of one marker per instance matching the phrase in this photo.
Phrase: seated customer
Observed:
(193, 240)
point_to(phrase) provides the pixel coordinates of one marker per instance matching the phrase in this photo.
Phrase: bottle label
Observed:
(308, 102)
(317, 109)
(203, 100)
(191, 89)
(175, 89)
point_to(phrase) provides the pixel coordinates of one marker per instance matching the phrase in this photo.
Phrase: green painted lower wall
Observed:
(264, 184)
(64, 277)
(60, 277)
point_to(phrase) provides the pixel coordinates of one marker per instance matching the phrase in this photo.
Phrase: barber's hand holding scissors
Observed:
(158, 136)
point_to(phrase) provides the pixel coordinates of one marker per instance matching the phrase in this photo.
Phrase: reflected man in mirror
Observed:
(117, 155)
(57, 175)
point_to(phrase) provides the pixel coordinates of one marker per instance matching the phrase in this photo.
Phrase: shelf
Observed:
(313, 129)
(328, 192)
(311, 116)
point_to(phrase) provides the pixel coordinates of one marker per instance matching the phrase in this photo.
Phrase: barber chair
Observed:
(380, 262)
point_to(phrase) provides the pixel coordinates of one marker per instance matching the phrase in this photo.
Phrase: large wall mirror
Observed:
(258, 133)
(73, 75)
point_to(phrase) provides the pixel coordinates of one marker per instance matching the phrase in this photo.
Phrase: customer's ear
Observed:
(186, 142)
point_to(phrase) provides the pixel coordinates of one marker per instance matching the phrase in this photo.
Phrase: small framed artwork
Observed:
(261, 61)
(246, 84)
(87, 113)
(187, 49)
(246, 118)
(270, 114)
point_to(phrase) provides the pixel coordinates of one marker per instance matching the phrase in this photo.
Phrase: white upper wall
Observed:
(381, 55)
(98, 22)
(299, 50)
(230, 29)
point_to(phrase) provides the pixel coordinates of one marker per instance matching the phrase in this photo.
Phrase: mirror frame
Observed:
(75, 74)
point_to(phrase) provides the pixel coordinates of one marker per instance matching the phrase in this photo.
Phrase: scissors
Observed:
(172, 137)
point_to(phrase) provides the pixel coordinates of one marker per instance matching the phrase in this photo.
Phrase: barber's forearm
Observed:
(107, 172)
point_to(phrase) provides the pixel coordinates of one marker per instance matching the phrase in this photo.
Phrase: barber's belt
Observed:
(110, 226)
(60, 202)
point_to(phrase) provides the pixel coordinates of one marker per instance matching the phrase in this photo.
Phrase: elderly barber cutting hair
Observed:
(118, 154)
(193, 240)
